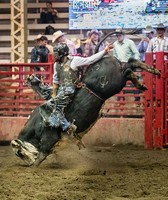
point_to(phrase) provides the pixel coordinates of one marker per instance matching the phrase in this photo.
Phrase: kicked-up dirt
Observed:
(119, 172)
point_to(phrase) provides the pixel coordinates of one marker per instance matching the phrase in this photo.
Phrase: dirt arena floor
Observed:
(120, 172)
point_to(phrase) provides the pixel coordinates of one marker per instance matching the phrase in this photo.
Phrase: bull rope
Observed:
(83, 85)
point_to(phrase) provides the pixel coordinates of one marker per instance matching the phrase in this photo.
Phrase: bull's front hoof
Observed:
(24, 150)
(41, 157)
(80, 145)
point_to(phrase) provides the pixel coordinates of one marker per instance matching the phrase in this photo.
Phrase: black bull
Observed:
(101, 81)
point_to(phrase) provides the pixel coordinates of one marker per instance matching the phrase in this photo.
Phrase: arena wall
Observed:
(106, 132)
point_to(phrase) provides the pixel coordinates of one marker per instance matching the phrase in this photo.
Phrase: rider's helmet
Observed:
(60, 50)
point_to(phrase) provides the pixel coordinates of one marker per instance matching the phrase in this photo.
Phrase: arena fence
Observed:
(16, 99)
(151, 108)
(156, 102)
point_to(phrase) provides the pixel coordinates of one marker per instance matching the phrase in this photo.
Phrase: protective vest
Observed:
(66, 74)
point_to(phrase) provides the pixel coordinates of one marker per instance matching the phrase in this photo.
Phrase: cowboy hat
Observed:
(148, 29)
(38, 36)
(76, 42)
(41, 37)
(161, 26)
(56, 35)
(85, 40)
(94, 31)
(119, 32)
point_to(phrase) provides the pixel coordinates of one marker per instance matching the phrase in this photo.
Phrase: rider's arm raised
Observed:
(80, 61)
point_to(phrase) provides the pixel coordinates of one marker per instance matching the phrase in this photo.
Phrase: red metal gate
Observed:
(156, 100)
(16, 99)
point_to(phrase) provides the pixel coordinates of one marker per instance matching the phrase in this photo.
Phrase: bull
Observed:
(101, 81)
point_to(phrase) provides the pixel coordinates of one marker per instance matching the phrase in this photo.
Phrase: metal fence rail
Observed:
(16, 99)
(156, 102)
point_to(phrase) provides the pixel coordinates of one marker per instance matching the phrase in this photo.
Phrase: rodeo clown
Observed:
(65, 80)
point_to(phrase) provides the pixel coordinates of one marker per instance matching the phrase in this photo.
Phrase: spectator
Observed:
(48, 14)
(78, 46)
(160, 42)
(142, 46)
(124, 49)
(59, 37)
(39, 53)
(90, 44)
(50, 47)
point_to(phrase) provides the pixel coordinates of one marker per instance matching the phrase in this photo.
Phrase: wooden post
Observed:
(19, 31)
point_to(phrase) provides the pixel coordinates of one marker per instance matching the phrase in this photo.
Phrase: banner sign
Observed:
(111, 14)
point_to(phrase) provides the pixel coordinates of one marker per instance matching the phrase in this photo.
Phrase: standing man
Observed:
(124, 49)
(39, 53)
(160, 42)
(49, 14)
(59, 37)
(143, 44)
(94, 36)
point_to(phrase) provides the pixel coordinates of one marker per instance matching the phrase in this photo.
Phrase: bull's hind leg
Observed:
(130, 75)
(148, 68)
(134, 79)
(133, 64)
